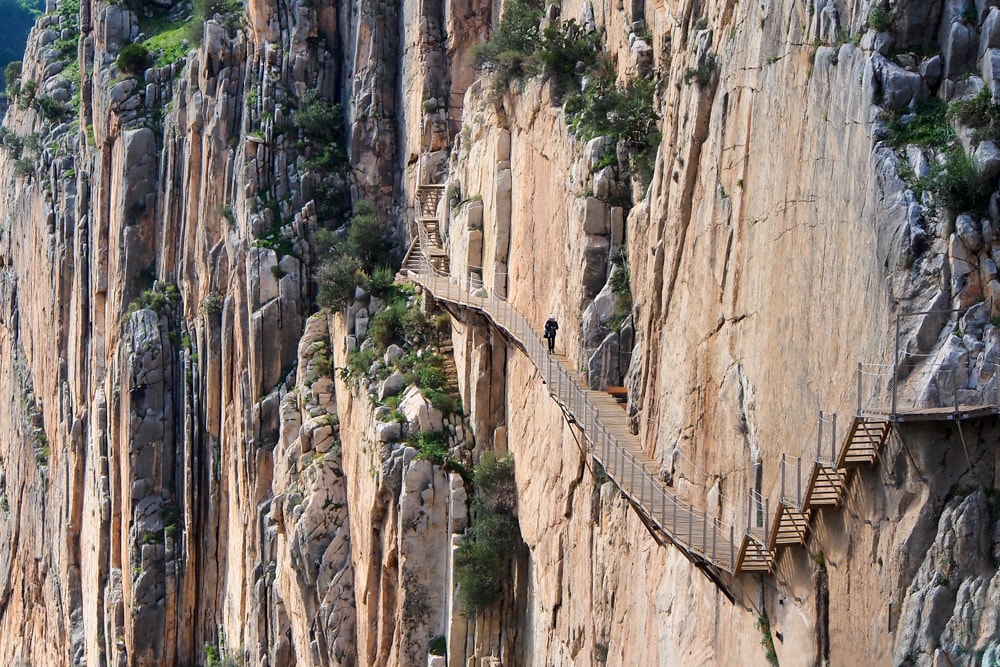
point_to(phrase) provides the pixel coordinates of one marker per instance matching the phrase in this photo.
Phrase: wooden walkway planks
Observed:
(606, 429)
(704, 539)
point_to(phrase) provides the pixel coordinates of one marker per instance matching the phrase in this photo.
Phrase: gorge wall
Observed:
(195, 468)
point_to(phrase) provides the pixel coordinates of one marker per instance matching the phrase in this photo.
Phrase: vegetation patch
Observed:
(622, 289)
(926, 125)
(980, 114)
(346, 260)
(134, 59)
(484, 558)
(430, 445)
(567, 53)
(161, 299)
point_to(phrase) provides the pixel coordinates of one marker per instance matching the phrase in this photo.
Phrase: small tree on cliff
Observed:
(346, 258)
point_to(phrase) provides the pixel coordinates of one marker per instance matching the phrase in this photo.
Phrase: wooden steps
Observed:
(864, 441)
(825, 487)
(790, 526)
(754, 556)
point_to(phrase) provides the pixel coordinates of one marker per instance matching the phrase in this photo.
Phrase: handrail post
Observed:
(833, 442)
(767, 518)
(895, 367)
(859, 390)
(798, 497)
(732, 550)
(704, 532)
(819, 437)
(690, 529)
(954, 384)
(715, 535)
(673, 528)
(782, 476)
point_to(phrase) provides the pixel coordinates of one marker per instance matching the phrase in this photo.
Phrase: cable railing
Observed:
(882, 390)
(604, 429)
(610, 441)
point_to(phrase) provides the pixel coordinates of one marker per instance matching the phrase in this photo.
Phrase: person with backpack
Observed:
(551, 326)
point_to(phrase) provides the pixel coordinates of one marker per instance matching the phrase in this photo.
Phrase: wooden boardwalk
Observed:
(714, 546)
(703, 538)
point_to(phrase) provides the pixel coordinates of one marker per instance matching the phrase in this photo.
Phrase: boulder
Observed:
(968, 231)
(918, 161)
(388, 432)
(987, 159)
(899, 88)
(958, 48)
(989, 67)
(989, 36)
(595, 263)
(391, 385)
(392, 353)
(420, 414)
(595, 215)
(930, 70)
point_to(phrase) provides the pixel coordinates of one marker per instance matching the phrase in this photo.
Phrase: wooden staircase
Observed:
(864, 441)
(819, 482)
(791, 526)
(429, 227)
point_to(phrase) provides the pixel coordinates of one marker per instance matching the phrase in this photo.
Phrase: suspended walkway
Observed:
(718, 548)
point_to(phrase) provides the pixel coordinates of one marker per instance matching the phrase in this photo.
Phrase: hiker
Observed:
(550, 332)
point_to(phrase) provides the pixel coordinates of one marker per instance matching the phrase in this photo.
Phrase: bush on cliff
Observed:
(494, 538)
(346, 260)
(134, 59)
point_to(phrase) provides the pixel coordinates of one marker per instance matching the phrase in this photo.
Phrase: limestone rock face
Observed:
(186, 459)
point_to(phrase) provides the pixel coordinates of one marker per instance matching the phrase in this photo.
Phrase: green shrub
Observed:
(879, 16)
(496, 490)
(484, 558)
(445, 401)
(927, 126)
(702, 73)
(27, 94)
(386, 327)
(381, 280)
(624, 114)
(345, 262)
(24, 167)
(134, 59)
(358, 363)
(514, 39)
(438, 646)
(978, 113)
(431, 445)
(50, 108)
(337, 279)
(213, 304)
(321, 125)
(12, 77)
(161, 299)
(956, 184)
(564, 47)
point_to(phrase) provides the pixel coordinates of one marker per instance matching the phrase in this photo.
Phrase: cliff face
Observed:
(184, 463)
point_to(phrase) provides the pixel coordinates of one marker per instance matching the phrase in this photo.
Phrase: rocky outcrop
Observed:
(186, 459)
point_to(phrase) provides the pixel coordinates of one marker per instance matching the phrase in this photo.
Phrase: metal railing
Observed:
(790, 471)
(688, 527)
(881, 390)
